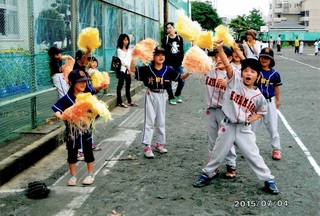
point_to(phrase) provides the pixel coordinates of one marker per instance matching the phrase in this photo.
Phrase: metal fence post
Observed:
(32, 68)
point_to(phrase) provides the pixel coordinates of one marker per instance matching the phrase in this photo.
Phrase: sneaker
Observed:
(231, 171)
(173, 102)
(80, 156)
(88, 180)
(161, 149)
(95, 147)
(276, 154)
(202, 181)
(270, 187)
(179, 100)
(72, 181)
(148, 152)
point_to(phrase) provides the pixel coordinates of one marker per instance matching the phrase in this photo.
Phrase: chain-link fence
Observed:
(28, 28)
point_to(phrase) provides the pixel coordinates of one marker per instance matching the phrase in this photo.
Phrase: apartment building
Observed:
(305, 13)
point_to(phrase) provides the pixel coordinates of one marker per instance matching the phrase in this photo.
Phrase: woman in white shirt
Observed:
(124, 53)
(252, 47)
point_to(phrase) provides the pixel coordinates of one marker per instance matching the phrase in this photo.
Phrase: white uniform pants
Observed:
(154, 117)
(214, 117)
(245, 139)
(60, 83)
(271, 122)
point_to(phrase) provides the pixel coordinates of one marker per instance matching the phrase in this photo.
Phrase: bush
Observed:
(285, 44)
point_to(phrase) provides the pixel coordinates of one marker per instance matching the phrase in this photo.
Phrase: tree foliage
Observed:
(205, 15)
(241, 24)
(50, 27)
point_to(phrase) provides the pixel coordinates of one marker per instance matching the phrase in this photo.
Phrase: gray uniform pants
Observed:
(245, 139)
(271, 122)
(154, 117)
(214, 117)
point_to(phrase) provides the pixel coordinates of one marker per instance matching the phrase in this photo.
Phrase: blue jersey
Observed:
(157, 79)
(65, 102)
(267, 81)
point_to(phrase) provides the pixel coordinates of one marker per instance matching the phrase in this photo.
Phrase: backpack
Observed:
(37, 190)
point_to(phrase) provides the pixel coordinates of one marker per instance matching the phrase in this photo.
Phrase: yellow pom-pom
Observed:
(205, 40)
(97, 79)
(187, 28)
(196, 60)
(89, 39)
(222, 33)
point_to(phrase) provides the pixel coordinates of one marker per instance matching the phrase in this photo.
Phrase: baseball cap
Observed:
(77, 76)
(268, 53)
(254, 64)
(159, 50)
(53, 51)
(226, 50)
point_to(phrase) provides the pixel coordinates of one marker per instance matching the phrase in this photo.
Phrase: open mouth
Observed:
(248, 78)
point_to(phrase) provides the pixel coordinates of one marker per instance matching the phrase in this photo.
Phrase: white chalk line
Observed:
(301, 63)
(300, 143)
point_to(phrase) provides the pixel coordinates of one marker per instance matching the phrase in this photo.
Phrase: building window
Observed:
(9, 17)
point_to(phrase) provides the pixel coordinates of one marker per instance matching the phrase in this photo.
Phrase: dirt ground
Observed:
(163, 185)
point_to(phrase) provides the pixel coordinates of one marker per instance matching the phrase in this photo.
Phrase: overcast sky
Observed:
(240, 7)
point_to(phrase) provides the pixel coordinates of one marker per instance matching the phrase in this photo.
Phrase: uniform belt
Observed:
(218, 107)
(226, 120)
(269, 99)
(157, 90)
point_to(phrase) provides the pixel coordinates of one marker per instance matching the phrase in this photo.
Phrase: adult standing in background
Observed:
(296, 45)
(252, 47)
(271, 42)
(279, 45)
(173, 45)
(124, 53)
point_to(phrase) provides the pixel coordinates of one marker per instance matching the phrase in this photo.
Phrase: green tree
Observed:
(239, 27)
(205, 15)
(50, 27)
(254, 20)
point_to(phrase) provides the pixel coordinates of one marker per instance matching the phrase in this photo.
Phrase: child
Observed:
(242, 104)
(236, 59)
(215, 89)
(157, 78)
(56, 70)
(77, 80)
(269, 83)
(100, 80)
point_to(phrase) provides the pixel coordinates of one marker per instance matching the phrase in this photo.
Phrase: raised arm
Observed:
(238, 51)
(224, 58)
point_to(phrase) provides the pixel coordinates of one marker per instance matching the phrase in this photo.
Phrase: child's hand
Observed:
(278, 104)
(222, 82)
(219, 43)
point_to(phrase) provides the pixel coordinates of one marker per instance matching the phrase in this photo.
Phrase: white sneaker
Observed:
(148, 152)
(161, 149)
(72, 181)
(173, 102)
(80, 156)
(88, 180)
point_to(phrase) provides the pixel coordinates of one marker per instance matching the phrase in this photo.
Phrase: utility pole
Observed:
(166, 14)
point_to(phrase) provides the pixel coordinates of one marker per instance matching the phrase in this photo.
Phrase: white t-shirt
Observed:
(125, 58)
(250, 50)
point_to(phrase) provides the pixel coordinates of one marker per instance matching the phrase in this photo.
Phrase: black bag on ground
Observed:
(37, 190)
(115, 65)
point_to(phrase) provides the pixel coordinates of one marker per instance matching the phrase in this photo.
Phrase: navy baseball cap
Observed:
(254, 64)
(54, 51)
(77, 76)
(226, 50)
(159, 50)
(268, 53)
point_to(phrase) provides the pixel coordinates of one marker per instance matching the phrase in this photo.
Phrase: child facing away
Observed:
(76, 139)
(269, 83)
(156, 77)
(215, 81)
(57, 76)
(243, 104)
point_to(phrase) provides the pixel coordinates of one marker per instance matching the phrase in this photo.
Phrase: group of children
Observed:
(241, 93)
(251, 94)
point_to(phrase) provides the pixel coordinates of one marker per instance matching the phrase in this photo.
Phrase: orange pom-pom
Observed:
(196, 60)
(144, 50)
(67, 68)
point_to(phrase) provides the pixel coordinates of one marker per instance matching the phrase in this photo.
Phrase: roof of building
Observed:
(287, 25)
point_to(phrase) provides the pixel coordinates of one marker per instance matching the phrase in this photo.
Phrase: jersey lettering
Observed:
(213, 83)
(242, 101)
